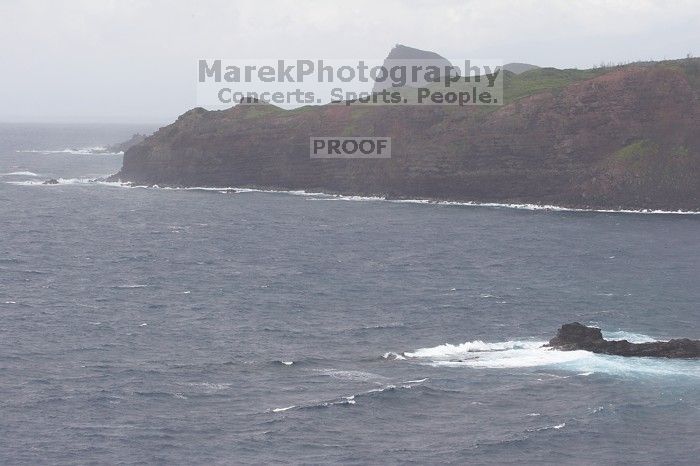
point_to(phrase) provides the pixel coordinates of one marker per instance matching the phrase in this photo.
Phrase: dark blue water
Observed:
(181, 327)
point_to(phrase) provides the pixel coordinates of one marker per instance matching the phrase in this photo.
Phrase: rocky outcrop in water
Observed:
(576, 336)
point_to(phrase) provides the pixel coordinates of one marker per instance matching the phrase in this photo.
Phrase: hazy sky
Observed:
(135, 60)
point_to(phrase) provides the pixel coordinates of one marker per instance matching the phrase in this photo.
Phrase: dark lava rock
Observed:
(576, 336)
(51, 181)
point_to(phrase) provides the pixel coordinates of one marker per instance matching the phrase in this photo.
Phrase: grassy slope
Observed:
(544, 79)
(534, 82)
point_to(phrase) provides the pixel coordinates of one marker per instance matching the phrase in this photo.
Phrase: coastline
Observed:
(425, 201)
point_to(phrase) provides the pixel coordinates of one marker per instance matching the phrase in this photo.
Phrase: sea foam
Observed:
(349, 400)
(92, 150)
(21, 173)
(340, 197)
(527, 354)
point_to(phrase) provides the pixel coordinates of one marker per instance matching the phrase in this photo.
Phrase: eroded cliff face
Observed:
(627, 138)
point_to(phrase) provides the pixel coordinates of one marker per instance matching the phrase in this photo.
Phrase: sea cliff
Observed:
(625, 137)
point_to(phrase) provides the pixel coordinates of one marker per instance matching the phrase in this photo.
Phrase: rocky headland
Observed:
(625, 137)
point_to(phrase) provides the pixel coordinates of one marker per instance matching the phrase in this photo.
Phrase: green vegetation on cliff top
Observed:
(535, 81)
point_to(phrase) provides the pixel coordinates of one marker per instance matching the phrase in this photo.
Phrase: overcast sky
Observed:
(135, 60)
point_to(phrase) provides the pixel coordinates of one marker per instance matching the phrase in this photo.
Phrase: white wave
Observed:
(417, 381)
(514, 358)
(287, 363)
(555, 427)
(533, 207)
(544, 207)
(449, 351)
(25, 173)
(359, 376)
(392, 355)
(24, 183)
(349, 399)
(380, 390)
(101, 181)
(280, 410)
(331, 197)
(629, 336)
(177, 188)
(97, 181)
(93, 150)
(338, 197)
(519, 354)
(390, 388)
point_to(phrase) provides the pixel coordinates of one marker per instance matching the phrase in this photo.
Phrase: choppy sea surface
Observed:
(146, 325)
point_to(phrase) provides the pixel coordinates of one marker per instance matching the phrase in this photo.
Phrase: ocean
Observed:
(214, 326)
